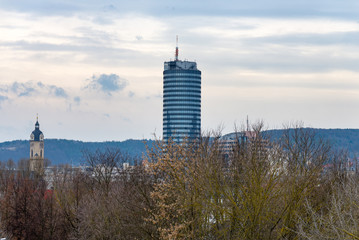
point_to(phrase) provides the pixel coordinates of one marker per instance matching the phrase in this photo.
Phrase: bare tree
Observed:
(118, 203)
(339, 219)
(256, 192)
(28, 209)
(105, 166)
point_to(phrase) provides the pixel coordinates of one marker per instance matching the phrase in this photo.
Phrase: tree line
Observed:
(259, 189)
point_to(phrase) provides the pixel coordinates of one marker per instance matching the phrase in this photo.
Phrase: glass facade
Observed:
(181, 101)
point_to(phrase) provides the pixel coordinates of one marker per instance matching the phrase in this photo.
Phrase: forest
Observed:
(261, 188)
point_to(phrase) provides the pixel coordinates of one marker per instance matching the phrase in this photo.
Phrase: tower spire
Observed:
(176, 48)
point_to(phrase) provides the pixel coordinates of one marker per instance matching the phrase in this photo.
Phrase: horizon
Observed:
(93, 70)
(151, 139)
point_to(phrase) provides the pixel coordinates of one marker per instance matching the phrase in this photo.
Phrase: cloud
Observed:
(320, 39)
(3, 98)
(30, 89)
(77, 100)
(23, 89)
(41, 7)
(109, 8)
(58, 91)
(131, 94)
(103, 20)
(277, 8)
(107, 83)
(3, 89)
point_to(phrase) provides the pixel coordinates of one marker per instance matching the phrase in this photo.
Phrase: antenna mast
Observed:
(247, 124)
(176, 48)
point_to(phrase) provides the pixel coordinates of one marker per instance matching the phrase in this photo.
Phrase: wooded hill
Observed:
(61, 151)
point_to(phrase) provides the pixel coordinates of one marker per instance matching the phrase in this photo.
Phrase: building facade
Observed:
(181, 100)
(37, 149)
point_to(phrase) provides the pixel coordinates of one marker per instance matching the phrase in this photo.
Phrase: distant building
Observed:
(181, 100)
(37, 149)
(229, 142)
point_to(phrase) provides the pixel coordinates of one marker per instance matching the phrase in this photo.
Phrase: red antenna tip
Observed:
(176, 47)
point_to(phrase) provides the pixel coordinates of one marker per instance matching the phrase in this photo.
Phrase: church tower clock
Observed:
(37, 149)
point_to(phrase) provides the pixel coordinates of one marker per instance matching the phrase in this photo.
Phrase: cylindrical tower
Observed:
(181, 100)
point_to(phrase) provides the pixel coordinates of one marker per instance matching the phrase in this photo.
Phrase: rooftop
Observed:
(180, 65)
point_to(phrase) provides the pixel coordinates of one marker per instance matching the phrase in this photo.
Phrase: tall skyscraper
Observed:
(37, 149)
(181, 100)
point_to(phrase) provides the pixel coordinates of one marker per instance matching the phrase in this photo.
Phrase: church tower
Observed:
(37, 149)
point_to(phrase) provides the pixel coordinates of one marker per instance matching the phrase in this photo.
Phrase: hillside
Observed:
(340, 139)
(61, 151)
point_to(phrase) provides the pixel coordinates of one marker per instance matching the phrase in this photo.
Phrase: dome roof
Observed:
(37, 135)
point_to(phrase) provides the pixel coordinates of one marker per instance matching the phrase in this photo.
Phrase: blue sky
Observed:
(92, 70)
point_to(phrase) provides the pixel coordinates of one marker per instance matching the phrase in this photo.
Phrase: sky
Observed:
(92, 70)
